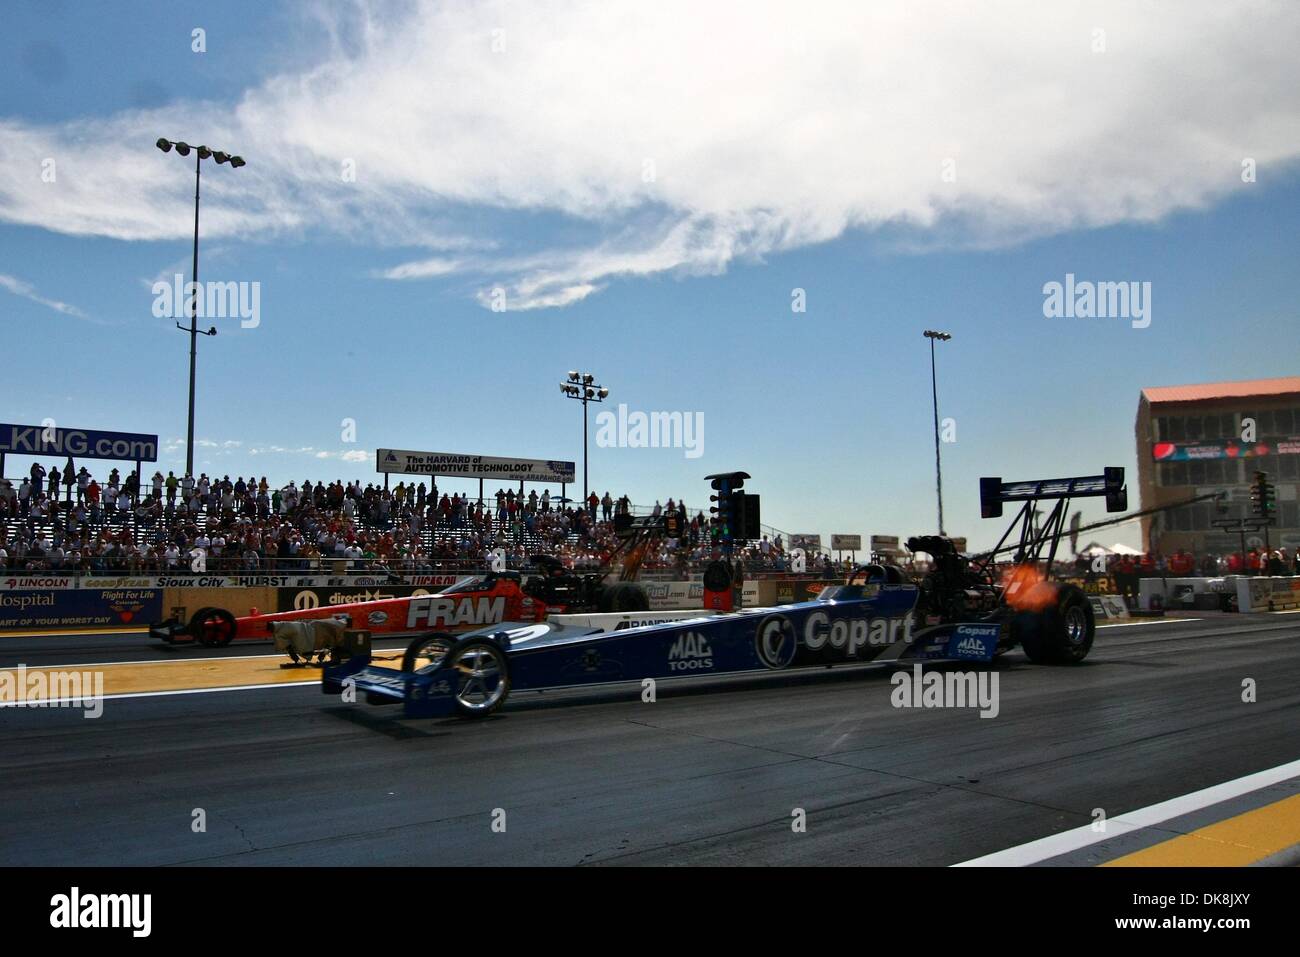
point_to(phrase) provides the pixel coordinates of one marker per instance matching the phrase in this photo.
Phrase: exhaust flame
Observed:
(1026, 588)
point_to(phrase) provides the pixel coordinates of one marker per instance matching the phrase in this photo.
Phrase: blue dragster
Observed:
(472, 674)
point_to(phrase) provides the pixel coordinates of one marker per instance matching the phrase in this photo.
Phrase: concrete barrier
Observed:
(1251, 593)
(1263, 593)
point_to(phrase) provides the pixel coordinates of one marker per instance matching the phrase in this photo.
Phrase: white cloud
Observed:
(355, 455)
(425, 269)
(766, 125)
(27, 291)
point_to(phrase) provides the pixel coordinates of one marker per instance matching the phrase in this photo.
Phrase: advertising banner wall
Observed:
(457, 465)
(790, 591)
(846, 543)
(885, 543)
(305, 599)
(1227, 449)
(53, 582)
(1267, 594)
(670, 596)
(80, 608)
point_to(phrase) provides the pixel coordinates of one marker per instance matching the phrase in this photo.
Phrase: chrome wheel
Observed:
(1076, 625)
(484, 681)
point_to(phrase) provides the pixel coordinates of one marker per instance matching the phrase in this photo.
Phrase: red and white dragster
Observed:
(474, 603)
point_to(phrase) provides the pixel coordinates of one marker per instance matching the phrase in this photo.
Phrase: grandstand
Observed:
(247, 528)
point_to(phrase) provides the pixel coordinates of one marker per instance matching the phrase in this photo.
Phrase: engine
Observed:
(951, 590)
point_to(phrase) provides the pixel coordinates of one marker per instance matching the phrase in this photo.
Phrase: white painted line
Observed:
(1154, 621)
(164, 661)
(1080, 837)
(146, 661)
(153, 694)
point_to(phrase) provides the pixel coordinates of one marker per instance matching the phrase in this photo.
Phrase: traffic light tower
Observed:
(1263, 502)
(722, 513)
(721, 581)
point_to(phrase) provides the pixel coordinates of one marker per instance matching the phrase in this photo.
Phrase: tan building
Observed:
(1194, 439)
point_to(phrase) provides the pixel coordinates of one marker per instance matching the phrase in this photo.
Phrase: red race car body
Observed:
(478, 601)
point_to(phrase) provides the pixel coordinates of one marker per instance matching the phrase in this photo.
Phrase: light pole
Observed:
(583, 387)
(200, 154)
(934, 388)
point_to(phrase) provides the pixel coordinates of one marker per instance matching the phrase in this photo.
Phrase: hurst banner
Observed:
(458, 465)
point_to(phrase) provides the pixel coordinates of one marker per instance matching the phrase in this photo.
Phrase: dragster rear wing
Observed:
(1110, 484)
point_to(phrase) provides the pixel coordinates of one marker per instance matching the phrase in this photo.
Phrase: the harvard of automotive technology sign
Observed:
(403, 462)
(83, 443)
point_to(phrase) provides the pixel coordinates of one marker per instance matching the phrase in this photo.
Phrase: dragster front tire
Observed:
(484, 677)
(433, 646)
(1061, 634)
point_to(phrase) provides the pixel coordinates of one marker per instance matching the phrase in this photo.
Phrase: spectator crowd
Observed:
(70, 521)
(67, 520)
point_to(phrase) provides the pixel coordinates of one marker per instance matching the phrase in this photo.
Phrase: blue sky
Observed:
(524, 169)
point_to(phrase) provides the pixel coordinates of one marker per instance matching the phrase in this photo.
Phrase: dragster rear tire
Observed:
(213, 627)
(624, 596)
(1059, 635)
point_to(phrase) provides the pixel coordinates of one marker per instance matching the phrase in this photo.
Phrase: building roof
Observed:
(1252, 388)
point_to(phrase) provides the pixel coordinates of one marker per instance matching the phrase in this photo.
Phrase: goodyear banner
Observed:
(82, 443)
(80, 608)
(457, 465)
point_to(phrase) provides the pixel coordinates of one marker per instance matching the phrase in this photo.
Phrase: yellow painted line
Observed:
(135, 677)
(1236, 842)
(74, 632)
